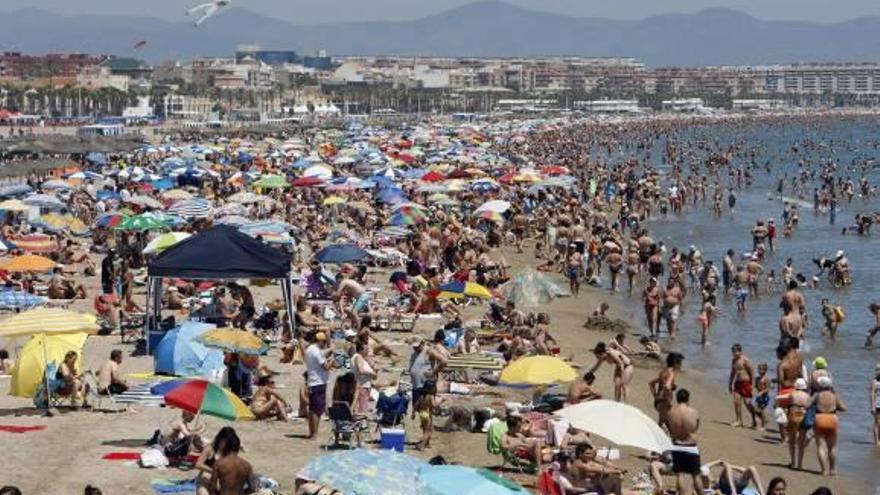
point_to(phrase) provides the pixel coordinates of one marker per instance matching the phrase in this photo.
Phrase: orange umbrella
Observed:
(36, 243)
(28, 263)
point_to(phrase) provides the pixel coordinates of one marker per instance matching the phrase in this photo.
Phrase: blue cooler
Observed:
(394, 439)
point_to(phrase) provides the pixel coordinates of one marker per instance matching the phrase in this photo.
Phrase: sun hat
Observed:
(820, 363)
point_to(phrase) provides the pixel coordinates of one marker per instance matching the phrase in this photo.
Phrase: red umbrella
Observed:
(506, 178)
(554, 170)
(433, 176)
(307, 182)
(460, 173)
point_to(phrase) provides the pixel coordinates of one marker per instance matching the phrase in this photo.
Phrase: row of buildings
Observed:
(252, 67)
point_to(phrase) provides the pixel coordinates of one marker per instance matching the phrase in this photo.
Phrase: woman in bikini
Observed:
(663, 387)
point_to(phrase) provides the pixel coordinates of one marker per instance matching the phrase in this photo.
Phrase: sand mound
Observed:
(607, 324)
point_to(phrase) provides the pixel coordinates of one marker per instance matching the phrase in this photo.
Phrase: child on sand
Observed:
(425, 410)
(762, 393)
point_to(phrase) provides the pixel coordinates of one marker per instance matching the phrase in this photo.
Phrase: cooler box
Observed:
(394, 439)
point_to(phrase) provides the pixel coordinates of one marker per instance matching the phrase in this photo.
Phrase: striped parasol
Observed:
(191, 208)
(16, 299)
(47, 321)
(36, 243)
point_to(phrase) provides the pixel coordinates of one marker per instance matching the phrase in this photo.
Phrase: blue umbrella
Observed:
(106, 194)
(367, 472)
(391, 196)
(44, 201)
(14, 299)
(341, 253)
(6, 245)
(464, 480)
(180, 354)
(97, 158)
(162, 184)
(302, 163)
(14, 190)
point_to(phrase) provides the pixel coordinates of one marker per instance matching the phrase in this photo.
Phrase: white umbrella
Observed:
(320, 171)
(145, 201)
(618, 422)
(495, 206)
(165, 241)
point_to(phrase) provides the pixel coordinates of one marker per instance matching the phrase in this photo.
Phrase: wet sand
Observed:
(67, 455)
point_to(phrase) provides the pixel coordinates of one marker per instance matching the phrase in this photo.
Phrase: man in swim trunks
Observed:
(742, 374)
(574, 262)
(671, 297)
(683, 423)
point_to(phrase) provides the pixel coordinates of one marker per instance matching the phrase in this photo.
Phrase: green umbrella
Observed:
(142, 223)
(271, 182)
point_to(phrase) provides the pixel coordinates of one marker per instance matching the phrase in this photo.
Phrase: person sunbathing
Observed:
(518, 443)
(61, 288)
(267, 402)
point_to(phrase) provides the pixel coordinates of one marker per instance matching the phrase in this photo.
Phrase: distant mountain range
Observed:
(491, 28)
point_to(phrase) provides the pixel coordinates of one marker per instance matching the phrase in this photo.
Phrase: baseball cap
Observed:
(800, 384)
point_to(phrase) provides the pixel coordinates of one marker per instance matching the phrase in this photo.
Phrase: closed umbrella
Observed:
(620, 423)
(537, 370)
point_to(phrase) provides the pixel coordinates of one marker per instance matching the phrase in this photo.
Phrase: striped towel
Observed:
(474, 361)
(140, 395)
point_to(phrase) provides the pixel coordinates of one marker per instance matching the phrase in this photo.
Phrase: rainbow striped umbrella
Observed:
(456, 289)
(202, 397)
(36, 243)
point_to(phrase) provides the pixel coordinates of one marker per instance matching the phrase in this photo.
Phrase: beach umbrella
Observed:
(6, 245)
(165, 241)
(432, 188)
(14, 190)
(37, 243)
(537, 370)
(271, 182)
(234, 220)
(322, 172)
(332, 200)
(433, 176)
(142, 223)
(54, 222)
(233, 340)
(191, 208)
(28, 263)
(465, 480)
(37, 353)
(17, 300)
(458, 289)
(231, 209)
(46, 201)
(247, 197)
(145, 201)
(531, 289)
(366, 472)
(84, 175)
(14, 205)
(55, 184)
(617, 422)
(307, 182)
(495, 206)
(179, 352)
(341, 253)
(401, 219)
(202, 397)
(555, 170)
(110, 220)
(51, 321)
(176, 194)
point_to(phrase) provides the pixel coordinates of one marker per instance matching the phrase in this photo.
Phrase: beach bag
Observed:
(153, 458)
(178, 448)
(839, 315)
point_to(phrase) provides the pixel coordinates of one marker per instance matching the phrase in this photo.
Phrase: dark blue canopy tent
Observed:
(219, 253)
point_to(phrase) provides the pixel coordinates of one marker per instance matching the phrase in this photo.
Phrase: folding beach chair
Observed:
(346, 426)
(95, 397)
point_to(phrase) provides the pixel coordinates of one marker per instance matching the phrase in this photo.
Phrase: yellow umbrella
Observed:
(537, 370)
(51, 321)
(13, 205)
(36, 354)
(333, 200)
(233, 340)
(28, 263)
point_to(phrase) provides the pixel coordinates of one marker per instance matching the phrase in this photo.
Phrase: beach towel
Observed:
(160, 485)
(496, 433)
(121, 456)
(21, 429)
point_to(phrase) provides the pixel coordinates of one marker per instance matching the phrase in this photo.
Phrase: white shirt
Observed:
(317, 373)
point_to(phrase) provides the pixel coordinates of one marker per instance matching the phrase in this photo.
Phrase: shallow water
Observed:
(757, 330)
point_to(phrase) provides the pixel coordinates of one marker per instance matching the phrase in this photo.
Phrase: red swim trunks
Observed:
(743, 388)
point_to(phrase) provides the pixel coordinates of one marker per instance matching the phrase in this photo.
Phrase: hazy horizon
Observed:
(305, 12)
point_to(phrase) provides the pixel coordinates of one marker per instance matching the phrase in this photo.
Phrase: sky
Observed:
(311, 11)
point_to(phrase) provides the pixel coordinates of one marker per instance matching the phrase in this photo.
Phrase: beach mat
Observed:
(121, 456)
(140, 395)
(160, 485)
(21, 429)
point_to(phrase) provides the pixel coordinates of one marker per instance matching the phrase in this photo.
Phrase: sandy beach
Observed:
(66, 456)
